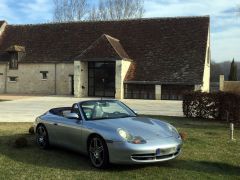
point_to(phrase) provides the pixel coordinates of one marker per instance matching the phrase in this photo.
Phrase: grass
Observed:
(207, 154)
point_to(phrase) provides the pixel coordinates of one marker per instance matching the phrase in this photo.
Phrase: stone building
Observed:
(142, 58)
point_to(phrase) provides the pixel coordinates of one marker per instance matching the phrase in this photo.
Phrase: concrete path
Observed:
(27, 109)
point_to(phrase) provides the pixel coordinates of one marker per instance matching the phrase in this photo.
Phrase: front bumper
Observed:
(153, 151)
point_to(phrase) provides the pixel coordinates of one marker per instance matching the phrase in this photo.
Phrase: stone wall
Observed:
(63, 72)
(29, 79)
(229, 86)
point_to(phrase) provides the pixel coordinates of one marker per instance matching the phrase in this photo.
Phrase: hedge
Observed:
(221, 106)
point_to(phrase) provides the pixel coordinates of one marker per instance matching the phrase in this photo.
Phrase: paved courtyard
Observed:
(27, 108)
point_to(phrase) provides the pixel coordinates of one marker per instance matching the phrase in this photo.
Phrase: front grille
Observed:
(164, 154)
(143, 156)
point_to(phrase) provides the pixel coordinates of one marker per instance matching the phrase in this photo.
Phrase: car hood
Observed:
(147, 128)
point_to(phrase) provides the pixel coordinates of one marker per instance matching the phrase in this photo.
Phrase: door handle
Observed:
(55, 124)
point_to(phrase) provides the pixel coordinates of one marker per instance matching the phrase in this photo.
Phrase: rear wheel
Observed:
(42, 137)
(98, 152)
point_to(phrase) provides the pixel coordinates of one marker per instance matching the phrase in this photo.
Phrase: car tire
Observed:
(98, 152)
(42, 137)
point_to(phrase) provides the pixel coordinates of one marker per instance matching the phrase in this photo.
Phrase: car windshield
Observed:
(105, 109)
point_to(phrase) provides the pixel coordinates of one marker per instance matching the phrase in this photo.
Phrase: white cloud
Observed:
(156, 8)
(6, 13)
(37, 10)
(26, 11)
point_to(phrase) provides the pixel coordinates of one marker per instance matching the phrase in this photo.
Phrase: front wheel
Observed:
(42, 137)
(98, 152)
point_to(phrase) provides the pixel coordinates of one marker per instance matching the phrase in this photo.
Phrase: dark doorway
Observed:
(101, 79)
(139, 91)
(72, 84)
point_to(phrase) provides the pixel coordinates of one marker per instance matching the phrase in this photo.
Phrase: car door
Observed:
(69, 131)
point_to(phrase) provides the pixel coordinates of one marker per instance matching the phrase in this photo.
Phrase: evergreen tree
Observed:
(233, 72)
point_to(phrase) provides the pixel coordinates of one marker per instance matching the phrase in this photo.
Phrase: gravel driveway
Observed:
(26, 109)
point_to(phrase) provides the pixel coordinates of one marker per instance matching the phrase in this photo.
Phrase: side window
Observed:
(13, 64)
(12, 79)
(44, 75)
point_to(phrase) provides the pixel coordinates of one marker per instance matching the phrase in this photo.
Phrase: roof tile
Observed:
(166, 50)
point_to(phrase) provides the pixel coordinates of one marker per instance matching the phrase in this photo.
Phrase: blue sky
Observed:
(225, 21)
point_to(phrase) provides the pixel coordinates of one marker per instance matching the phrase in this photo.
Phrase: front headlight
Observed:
(174, 131)
(130, 138)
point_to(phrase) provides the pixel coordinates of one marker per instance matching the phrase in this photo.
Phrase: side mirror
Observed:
(135, 112)
(72, 116)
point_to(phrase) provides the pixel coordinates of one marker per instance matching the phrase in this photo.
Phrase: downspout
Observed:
(5, 88)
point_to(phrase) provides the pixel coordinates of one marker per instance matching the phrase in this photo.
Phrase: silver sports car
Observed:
(109, 132)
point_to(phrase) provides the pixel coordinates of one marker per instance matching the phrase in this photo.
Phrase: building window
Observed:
(44, 75)
(13, 64)
(175, 92)
(12, 79)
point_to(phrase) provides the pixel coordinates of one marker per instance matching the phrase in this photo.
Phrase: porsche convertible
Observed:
(108, 132)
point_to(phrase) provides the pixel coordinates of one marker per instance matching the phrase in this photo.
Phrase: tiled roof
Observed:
(112, 49)
(166, 50)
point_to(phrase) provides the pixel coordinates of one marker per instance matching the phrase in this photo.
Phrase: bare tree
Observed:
(77, 10)
(118, 9)
(69, 10)
(93, 14)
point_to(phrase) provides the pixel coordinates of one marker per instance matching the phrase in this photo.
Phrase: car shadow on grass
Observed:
(209, 167)
(60, 158)
(54, 157)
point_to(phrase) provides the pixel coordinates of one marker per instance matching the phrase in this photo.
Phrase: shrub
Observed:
(221, 106)
(31, 130)
(229, 107)
(202, 105)
(21, 142)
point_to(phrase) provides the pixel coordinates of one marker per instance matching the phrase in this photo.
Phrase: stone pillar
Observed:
(80, 79)
(221, 83)
(158, 92)
(120, 73)
(77, 81)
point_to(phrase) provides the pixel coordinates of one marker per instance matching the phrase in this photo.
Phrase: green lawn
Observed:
(207, 154)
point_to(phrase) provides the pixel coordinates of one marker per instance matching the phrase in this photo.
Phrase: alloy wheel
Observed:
(97, 152)
(42, 137)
